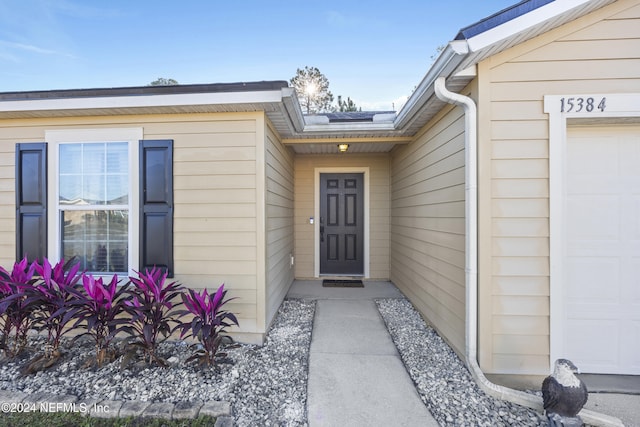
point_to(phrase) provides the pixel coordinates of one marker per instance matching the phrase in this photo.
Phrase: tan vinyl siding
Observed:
(279, 225)
(7, 203)
(379, 209)
(212, 200)
(215, 191)
(11, 132)
(427, 224)
(598, 53)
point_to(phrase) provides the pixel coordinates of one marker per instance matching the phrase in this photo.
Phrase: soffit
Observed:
(332, 148)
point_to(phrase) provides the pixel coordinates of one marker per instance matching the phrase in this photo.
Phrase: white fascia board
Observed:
(171, 100)
(450, 57)
(349, 127)
(471, 71)
(522, 23)
(384, 117)
(316, 120)
(293, 109)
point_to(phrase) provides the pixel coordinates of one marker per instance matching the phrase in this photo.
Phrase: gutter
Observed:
(471, 270)
(446, 63)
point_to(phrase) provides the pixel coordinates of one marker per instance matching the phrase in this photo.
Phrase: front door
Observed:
(341, 224)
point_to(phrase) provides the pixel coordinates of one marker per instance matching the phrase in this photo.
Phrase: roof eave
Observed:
(86, 105)
(368, 127)
(464, 54)
(522, 23)
(447, 62)
(292, 109)
(456, 63)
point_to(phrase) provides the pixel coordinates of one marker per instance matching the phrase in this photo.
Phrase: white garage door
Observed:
(602, 262)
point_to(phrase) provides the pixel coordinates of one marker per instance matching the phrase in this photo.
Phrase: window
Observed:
(104, 196)
(94, 211)
(94, 204)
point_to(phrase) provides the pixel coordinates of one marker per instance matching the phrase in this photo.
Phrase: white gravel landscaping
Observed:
(268, 385)
(442, 380)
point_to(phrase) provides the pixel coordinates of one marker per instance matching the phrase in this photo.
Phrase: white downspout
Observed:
(471, 251)
(471, 271)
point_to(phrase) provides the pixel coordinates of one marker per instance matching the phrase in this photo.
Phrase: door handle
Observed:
(321, 229)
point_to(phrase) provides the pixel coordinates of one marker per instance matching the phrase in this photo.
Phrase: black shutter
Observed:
(31, 200)
(156, 204)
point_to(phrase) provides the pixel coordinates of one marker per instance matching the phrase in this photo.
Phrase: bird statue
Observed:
(564, 395)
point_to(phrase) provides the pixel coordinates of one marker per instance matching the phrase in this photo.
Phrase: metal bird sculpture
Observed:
(564, 395)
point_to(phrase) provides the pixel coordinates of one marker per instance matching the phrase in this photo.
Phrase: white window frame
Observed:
(54, 138)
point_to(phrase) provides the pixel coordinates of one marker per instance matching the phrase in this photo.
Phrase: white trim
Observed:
(471, 251)
(173, 100)
(447, 61)
(617, 106)
(54, 138)
(316, 209)
(347, 127)
(261, 224)
(522, 23)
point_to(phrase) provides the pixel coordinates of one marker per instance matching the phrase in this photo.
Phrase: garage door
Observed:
(602, 242)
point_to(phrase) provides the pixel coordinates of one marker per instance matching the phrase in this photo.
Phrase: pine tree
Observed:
(312, 88)
(347, 105)
(162, 81)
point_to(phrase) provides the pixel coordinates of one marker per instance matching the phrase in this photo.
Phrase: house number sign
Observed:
(579, 104)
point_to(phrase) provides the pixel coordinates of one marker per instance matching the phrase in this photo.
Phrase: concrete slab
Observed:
(604, 383)
(356, 377)
(86, 405)
(350, 327)
(7, 396)
(158, 410)
(133, 408)
(183, 410)
(312, 289)
(45, 398)
(106, 409)
(36, 398)
(623, 406)
(215, 409)
(363, 390)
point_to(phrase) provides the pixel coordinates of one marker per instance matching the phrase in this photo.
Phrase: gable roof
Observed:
(474, 43)
(499, 18)
(144, 90)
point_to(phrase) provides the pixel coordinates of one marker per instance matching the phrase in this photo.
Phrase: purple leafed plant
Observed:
(54, 295)
(98, 308)
(5, 324)
(209, 322)
(15, 310)
(152, 312)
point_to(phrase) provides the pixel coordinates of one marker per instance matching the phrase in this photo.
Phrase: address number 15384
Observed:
(577, 105)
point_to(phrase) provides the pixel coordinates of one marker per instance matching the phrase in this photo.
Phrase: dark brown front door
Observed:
(341, 223)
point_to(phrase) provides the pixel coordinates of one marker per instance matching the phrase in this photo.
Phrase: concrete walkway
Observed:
(356, 377)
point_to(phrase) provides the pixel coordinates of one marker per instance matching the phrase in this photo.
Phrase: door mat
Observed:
(328, 283)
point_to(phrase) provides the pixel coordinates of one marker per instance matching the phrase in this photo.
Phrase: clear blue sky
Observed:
(374, 51)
